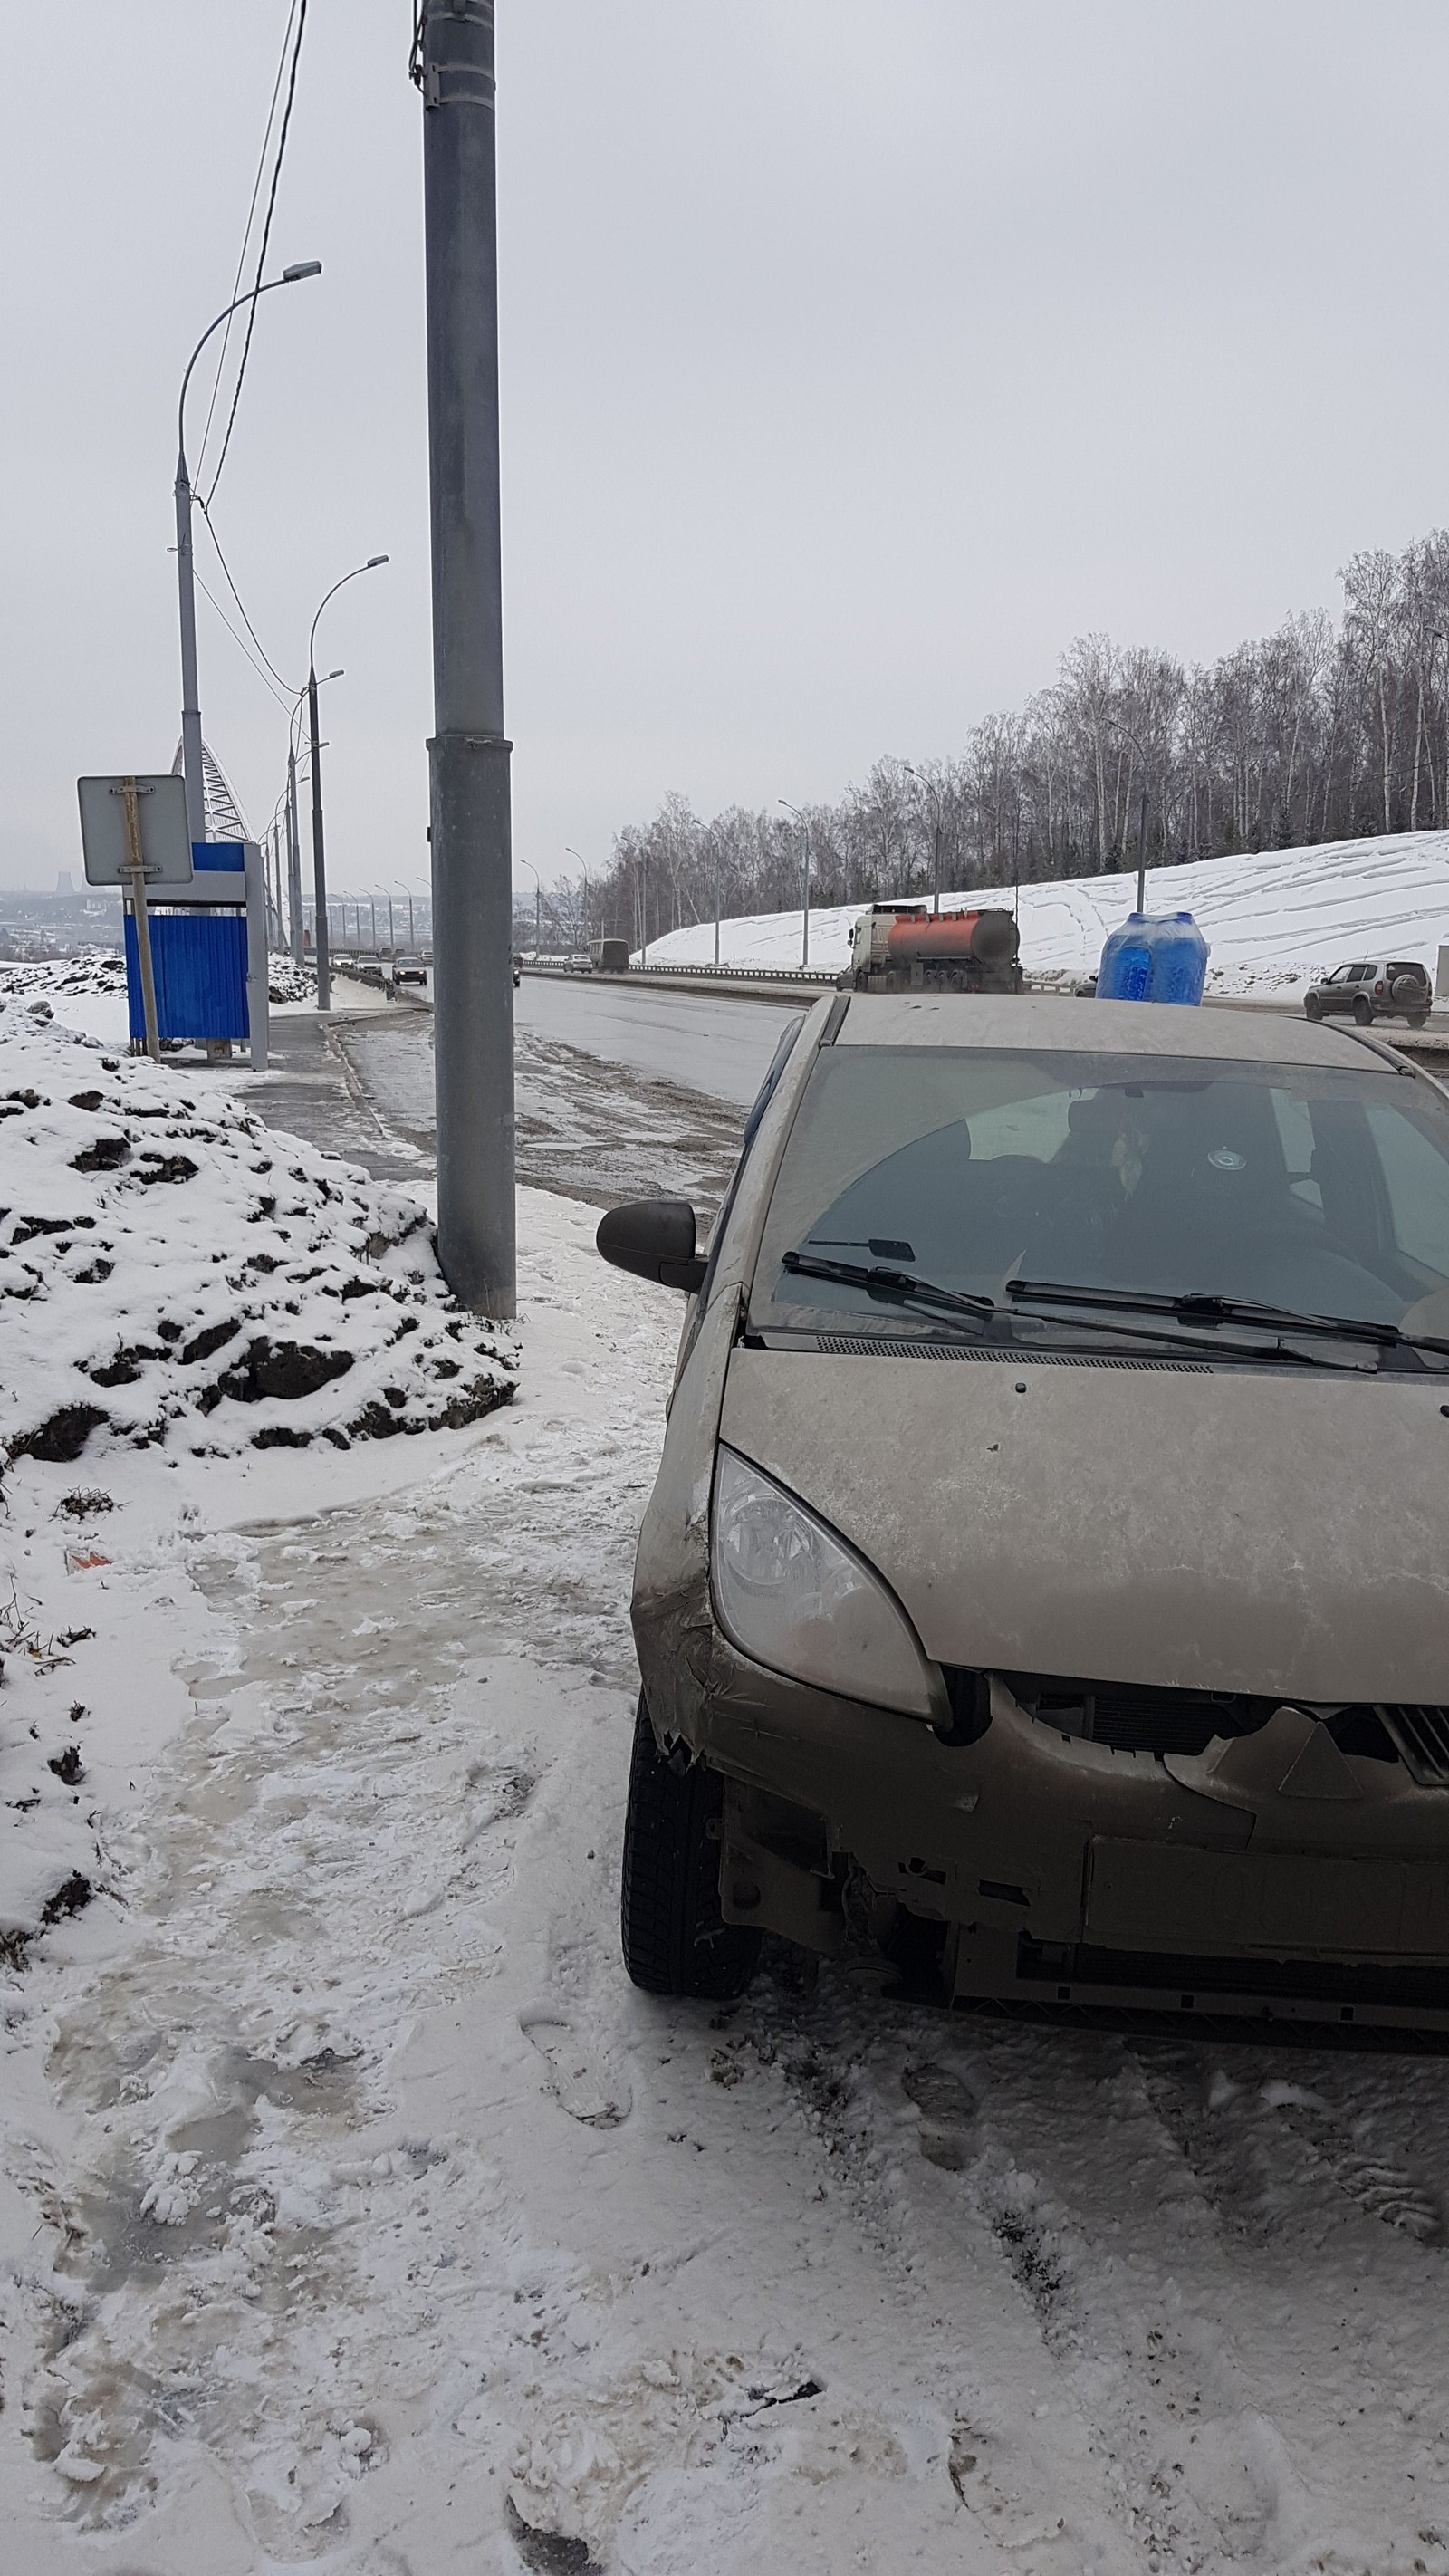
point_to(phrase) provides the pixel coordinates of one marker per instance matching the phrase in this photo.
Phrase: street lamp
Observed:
(402, 889)
(319, 865)
(185, 570)
(935, 795)
(571, 853)
(295, 905)
(537, 908)
(804, 878)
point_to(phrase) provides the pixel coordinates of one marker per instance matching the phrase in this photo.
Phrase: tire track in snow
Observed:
(1268, 2396)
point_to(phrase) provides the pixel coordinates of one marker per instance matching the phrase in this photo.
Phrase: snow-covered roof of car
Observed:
(1054, 1022)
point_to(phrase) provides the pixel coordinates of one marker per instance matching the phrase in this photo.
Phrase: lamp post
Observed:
(804, 878)
(295, 907)
(935, 795)
(571, 853)
(319, 864)
(402, 889)
(537, 908)
(185, 569)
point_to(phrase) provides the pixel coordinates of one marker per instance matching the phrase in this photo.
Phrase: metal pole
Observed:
(716, 904)
(936, 895)
(805, 894)
(804, 877)
(190, 685)
(185, 571)
(319, 862)
(294, 860)
(143, 926)
(471, 824)
(1142, 858)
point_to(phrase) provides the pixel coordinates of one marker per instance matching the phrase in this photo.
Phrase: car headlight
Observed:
(792, 1596)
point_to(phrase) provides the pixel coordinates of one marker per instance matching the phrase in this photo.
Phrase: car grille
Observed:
(1421, 1734)
(1133, 1718)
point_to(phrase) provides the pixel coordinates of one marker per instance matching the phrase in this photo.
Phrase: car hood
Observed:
(1189, 1527)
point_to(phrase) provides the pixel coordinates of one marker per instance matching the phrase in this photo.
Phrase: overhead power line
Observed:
(241, 604)
(241, 642)
(262, 252)
(241, 259)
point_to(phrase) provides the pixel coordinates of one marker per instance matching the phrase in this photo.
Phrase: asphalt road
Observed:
(719, 1047)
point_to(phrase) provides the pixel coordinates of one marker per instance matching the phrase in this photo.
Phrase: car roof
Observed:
(1057, 1022)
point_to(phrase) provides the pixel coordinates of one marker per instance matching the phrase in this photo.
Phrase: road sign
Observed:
(161, 815)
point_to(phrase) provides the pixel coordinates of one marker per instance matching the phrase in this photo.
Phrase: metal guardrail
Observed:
(820, 978)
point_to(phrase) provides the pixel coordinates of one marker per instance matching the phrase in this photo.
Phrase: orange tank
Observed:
(991, 938)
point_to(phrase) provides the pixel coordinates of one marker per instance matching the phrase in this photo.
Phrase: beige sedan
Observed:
(1047, 1576)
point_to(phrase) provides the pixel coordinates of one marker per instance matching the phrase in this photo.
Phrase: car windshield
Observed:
(1318, 1191)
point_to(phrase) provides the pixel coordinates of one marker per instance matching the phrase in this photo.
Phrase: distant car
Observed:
(368, 970)
(1047, 1575)
(409, 970)
(1398, 990)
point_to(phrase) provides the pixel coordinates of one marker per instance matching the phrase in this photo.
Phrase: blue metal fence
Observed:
(200, 964)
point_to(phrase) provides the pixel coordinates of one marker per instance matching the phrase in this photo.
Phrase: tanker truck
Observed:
(904, 948)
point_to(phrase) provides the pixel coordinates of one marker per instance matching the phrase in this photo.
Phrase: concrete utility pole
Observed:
(471, 823)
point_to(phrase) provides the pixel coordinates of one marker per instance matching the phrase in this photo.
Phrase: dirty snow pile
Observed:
(173, 1273)
(90, 970)
(287, 982)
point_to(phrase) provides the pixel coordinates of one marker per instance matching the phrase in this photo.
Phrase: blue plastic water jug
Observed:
(1154, 959)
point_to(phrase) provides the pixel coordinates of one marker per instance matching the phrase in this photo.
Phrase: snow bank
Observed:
(173, 1273)
(103, 971)
(1274, 921)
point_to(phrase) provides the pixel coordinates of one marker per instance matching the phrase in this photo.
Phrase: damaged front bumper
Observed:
(1271, 1875)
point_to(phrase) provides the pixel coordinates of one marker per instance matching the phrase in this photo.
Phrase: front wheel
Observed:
(1312, 1007)
(675, 1940)
(1363, 1011)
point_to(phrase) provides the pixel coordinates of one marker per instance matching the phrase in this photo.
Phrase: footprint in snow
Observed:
(579, 2079)
(948, 2114)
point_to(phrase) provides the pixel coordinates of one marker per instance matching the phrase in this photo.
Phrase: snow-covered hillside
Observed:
(1274, 921)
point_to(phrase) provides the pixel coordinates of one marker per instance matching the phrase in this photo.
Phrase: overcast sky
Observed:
(854, 359)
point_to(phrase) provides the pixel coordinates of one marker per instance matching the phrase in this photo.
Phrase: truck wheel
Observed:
(674, 1940)
(1363, 1011)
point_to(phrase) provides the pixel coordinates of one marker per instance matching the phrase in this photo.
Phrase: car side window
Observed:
(1413, 1172)
(762, 1101)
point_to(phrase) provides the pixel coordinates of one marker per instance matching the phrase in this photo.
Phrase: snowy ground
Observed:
(356, 2214)
(1273, 922)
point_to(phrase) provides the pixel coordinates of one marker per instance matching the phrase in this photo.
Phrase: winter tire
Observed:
(674, 1938)
(1312, 1007)
(1417, 1019)
(1363, 1011)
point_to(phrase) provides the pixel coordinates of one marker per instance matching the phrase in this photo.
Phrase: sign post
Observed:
(128, 792)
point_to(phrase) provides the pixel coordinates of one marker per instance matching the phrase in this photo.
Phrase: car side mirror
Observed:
(655, 1239)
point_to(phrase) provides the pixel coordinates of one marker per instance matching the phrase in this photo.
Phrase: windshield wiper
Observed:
(895, 1287)
(1198, 1307)
(902, 1287)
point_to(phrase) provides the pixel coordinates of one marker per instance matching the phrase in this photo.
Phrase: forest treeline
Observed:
(1316, 733)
